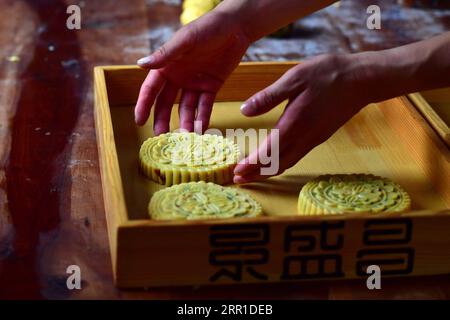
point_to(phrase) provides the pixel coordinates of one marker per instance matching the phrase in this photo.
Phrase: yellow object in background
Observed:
(194, 9)
(207, 5)
(335, 194)
(191, 14)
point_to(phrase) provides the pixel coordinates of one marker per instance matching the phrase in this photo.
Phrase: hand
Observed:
(323, 93)
(197, 60)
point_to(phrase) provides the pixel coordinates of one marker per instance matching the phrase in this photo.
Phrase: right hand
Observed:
(323, 93)
(197, 61)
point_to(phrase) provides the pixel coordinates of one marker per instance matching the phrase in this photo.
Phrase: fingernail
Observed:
(138, 121)
(247, 107)
(238, 180)
(144, 61)
(183, 130)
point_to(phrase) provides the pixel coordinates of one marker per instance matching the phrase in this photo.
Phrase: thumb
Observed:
(181, 42)
(270, 97)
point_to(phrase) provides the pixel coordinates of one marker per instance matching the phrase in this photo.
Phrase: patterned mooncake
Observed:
(335, 194)
(174, 158)
(202, 200)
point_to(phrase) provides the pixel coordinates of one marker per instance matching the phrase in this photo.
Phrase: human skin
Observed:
(323, 92)
(201, 55)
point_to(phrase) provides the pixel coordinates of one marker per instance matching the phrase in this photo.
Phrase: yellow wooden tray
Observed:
(390, 139)
(435, 107)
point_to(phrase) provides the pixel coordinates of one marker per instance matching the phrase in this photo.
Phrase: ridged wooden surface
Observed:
(435, 107)
(367, 144)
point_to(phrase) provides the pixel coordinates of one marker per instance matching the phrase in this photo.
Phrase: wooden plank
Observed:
(109, 166)
(111, 33)
(428, 150)
(436, 121)
(16, 50)
(344, 248)
(54, 192)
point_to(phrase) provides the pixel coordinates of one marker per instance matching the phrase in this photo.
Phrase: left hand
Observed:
(323, 93)
(196, 61)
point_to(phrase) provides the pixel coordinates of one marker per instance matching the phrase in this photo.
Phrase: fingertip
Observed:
(160, 128)
(249, 178)
(186, 126)
(252, 177)
(139, 122)
(139, 118)
(145, 62)
(238, 180)
(204, 110)
(183, 130)
(247, 108)
(245, 166)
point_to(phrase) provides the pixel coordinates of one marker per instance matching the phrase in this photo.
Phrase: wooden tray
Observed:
(435, 107)
(390, 139)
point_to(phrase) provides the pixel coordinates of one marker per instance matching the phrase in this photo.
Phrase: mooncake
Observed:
(173, 158)
(201, 200)
(335, 194)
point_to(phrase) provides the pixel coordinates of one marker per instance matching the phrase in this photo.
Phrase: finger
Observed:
(186, 109)
(181, 42)
(280, 162)
(298, 133)
(204, 109)
(267, 150)
(272, 96)
(287, 159)
(149, 91)
(249, 178)
(275, 145)
(163, 108)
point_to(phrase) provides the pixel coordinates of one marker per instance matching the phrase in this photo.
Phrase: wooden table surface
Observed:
(51, 206)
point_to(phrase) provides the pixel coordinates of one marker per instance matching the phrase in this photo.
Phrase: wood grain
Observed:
(114, 33)
(430, 110)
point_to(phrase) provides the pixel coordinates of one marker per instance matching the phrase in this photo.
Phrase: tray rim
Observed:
(428, 112)
(126, 236)
(107, 136)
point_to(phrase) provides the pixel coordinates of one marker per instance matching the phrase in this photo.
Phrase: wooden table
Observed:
(51, 206)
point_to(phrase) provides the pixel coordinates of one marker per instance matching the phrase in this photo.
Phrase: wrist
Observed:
(378, 75)
(386, 74)
(358, 77)
(262, 17)
(240, 15)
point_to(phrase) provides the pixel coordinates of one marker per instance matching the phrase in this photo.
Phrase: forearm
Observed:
(415, 67)
(261, 17)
